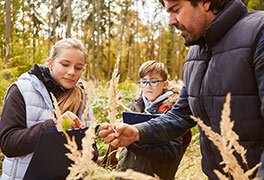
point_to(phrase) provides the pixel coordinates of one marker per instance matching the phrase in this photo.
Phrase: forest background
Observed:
(135, 31)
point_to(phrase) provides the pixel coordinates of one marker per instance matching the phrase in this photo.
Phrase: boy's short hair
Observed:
(153, 67)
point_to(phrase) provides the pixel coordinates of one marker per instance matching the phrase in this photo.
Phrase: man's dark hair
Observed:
(216, 5)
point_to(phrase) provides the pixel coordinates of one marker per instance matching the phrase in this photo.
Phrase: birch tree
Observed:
(8, 29)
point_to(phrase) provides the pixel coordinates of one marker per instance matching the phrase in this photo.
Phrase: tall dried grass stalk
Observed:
(83, 167)
(227, 144)
(190, 166)
(113, 103)
(57, 120)
(90, 93)
(113, 93)
(124, 106)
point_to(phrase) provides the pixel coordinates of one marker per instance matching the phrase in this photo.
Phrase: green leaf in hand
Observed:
(66, 124)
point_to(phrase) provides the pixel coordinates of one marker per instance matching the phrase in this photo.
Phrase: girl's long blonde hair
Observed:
(72, 100)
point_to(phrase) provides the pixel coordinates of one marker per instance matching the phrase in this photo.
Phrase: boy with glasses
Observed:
(156, 98)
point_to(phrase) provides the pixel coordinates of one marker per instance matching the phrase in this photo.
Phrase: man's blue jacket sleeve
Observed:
(259, 74)
(170, 125)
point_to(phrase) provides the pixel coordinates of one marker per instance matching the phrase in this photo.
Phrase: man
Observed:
(227, 56)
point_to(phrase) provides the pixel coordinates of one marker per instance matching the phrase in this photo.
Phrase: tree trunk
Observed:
(93, 41)
(49, 25)
(173, 56)
(109, 43)
(123, 23)
(161, 58)
(99, 49)
(54, 17)
(8, 30)
(34, 28)
(179, 57)
(152, 47)
(129, 66)
(69, 18)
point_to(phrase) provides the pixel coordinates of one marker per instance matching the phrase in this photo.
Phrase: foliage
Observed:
(127, 92)
(35, 27)
(256, 4)
(18, 64)
(190, 166)
(7, 76)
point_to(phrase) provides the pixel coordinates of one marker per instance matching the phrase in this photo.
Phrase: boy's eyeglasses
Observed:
(151, 83)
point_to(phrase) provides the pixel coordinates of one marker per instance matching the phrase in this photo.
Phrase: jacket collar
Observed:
(221, 24)
(149, 105)
(43, 74)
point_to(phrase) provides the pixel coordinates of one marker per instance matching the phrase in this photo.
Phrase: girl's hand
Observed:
(71, 121)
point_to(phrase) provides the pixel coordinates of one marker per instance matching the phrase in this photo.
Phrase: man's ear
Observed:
(206, 6)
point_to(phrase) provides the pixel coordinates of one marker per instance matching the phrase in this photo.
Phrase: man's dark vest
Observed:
(225, 64)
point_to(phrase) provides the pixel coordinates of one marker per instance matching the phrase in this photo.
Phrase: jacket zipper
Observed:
(201, 104)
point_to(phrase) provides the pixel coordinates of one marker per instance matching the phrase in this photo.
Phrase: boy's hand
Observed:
(119, 134)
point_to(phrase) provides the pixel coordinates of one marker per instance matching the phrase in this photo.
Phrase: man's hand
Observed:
(119, 134)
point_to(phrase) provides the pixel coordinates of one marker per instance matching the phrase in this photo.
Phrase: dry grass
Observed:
(190, 166)
(227, 144)
(89, 89)
(90, 92)
(85, 168)
(113, 103)
(57, 120)
(113, 94)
